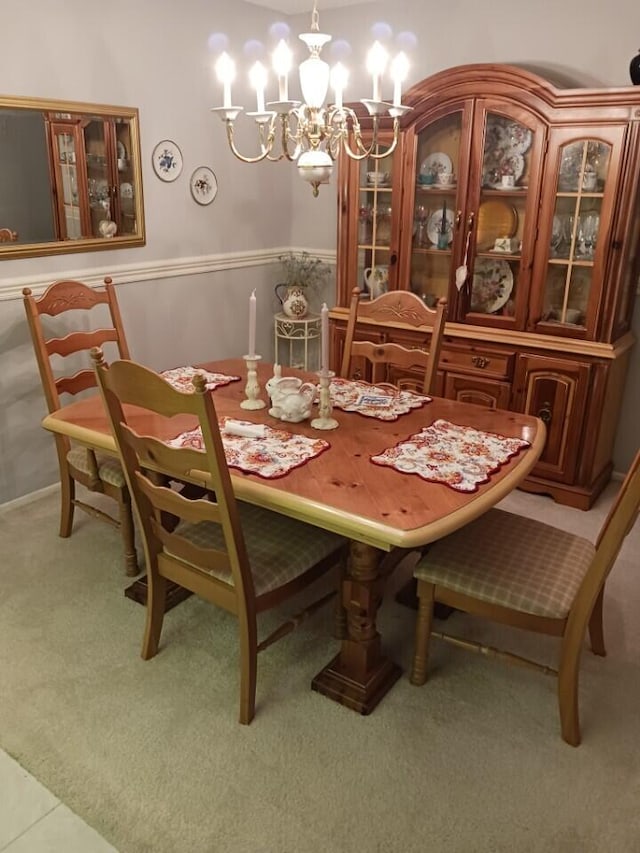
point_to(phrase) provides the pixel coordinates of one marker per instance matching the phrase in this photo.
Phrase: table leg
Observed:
(359, 676)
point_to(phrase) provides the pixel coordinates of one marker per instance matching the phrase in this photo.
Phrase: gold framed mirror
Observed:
(70, 177)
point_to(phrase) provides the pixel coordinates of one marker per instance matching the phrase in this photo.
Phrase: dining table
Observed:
(384, 509)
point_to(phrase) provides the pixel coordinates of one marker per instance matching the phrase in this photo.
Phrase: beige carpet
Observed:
(150, 754)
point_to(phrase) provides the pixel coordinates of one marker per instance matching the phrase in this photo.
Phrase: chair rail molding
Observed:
(11, 287)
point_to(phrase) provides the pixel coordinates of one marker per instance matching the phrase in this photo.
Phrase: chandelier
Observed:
(312, 133)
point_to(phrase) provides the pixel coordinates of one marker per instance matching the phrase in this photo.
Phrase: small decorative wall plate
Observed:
(204, 185)
(167, 160)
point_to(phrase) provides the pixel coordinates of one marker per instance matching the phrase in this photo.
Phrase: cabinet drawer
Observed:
(478, 361)
(482, 391)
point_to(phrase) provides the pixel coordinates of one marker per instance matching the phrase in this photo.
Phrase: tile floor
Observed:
(33, 820)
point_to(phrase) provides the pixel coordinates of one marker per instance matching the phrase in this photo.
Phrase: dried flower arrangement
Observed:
(303, 270)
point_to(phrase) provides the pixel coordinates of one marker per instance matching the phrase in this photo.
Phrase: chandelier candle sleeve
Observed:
(339, 78)
(399, 71)
(282, 66)
(376, 63)
(226, 71)
(258, 79)
(324, 339)
(252, 325)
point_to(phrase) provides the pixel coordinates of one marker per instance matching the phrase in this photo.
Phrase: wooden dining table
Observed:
(379, 509)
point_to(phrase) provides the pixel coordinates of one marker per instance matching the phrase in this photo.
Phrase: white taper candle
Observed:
(324, 338)
(252, 325)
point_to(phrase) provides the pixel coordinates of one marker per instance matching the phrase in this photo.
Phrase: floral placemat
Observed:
(270, 456)
(384, 402)
(182, 378)
(458, 456)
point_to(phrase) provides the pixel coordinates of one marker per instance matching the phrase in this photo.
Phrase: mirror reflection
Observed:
(70, 178)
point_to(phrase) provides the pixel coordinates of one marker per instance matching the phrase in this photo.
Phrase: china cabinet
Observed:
(519, 202)
(93, 182)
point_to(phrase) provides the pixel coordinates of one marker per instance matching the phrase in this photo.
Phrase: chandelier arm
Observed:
(362, 151)
(265, 144)
(287, 137)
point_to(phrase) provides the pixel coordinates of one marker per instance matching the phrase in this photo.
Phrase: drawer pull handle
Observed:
(480, 361)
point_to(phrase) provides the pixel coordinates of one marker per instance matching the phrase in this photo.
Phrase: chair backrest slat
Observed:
(80, 381)
(208, 560)
(399, 309)
(80, 341)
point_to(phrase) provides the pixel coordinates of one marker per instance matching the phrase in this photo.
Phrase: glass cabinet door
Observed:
(499, 260)
(436, 214)
(124, 214)
(374, 262)
(98, 174)
(574, 246)
(574, 235)
(68, 168)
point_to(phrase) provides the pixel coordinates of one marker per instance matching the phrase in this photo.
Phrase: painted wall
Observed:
(156, 57)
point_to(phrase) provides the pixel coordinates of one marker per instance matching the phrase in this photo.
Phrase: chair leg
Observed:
(127, 530)
(426, 593)
(596, 629)
(156, 601)
(67, 497)
(248, 668)
(568, 692)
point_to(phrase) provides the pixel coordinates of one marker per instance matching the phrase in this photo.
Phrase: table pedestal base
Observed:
(175, 593)
(361, 675)
(362, 697)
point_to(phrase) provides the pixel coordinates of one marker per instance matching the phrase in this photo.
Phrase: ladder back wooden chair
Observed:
(530, 575)
(66, 368)
(398, 308)
(238, 556)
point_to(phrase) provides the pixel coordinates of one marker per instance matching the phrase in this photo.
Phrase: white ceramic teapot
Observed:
(291, 399)
(376, 280)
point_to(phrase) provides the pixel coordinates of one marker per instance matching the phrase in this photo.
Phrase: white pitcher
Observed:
(376, 280)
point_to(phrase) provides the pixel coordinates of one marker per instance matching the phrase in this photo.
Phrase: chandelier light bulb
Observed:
(339, 78)
(399, 70)
(258, 79)
(226, 71)
(282, 60)
(377, 59)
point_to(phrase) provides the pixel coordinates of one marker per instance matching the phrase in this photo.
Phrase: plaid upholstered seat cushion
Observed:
(279, 548)
(512, 561)
(109, 469)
